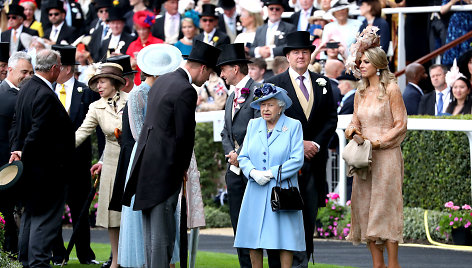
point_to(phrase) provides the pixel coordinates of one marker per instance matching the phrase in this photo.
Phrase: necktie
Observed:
(105, 31)
(54, 38)
(62, 95)
(440, 103)
(303, 88)
(207, 40)
(14, 36)
(237, 95)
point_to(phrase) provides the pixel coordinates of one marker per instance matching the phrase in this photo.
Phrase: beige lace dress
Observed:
(377, 203)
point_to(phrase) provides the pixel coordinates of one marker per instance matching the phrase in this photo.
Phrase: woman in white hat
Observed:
(251, 19)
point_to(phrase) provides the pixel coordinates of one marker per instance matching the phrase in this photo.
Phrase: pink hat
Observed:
(144, 18)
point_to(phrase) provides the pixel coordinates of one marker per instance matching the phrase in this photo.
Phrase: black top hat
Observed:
(4, 51)
(208, 10)
(103, 3)
(67, 54)
(227, 4)
(59, 5)
(232, 53)
(204, 54)
(115, 13)
(10, 174)
(298, 40)
(17, 10)
(345, 76)
(125, 63)
(274, 2)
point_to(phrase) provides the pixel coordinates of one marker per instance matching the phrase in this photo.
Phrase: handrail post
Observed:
(401, 48)
(342, 167)
(469, 135)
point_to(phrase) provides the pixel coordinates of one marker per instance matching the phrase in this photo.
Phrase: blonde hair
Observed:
(378, 59)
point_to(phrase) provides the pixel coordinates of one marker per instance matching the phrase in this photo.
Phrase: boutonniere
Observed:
(324, 91)
(79, 89)
(280, 34)
(214, 40)
(284, 128)
(121, 44)
(321, 82)
(239, 27)
(244, 91)
(116, 2)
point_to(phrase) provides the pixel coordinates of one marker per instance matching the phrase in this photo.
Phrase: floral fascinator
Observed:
(365, 40)
(453, 74)
(268, 91)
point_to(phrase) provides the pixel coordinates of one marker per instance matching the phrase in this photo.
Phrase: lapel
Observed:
(286, 83)
(75, 101)
(49, 91)
(277, 129)
(248, 100)
(262, 36)
(228, 113)
(262, 132)
(317, 91)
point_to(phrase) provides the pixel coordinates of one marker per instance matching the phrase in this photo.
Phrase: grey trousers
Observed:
(159, 233)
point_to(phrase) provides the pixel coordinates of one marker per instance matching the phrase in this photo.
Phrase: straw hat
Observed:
(10, 174)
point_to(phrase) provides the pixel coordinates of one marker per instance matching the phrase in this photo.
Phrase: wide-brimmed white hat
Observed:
(337, 5)
(253, 6)
(159, 59)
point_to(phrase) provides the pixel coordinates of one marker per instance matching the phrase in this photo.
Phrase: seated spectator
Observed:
(372, 10)
(208, 23)
(465, 64)
(212, 94)
(30, 22)
(189, 30)
(16, 16)
(301, 17)
(270, 37)
(257, 69)
(280, 65)
(461, 101)
(168, 26)
(414, 73)
(60, 32)
(251, 19)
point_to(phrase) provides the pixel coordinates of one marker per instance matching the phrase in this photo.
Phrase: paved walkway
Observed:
(330, 251)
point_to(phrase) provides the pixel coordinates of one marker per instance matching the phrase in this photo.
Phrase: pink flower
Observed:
(467, 207)
(326, 201)
(333, 207)
(450, 215)
(342, 215)
(96, 205)
(326, 234)
(437, 228)
(451, 223)
(456, 208)
(335, 223)
(348, 225)
(330, 227)
(456, 219)
(348, 203)
(330, 217)
(336, 218)
(467, 224)
(449, 204)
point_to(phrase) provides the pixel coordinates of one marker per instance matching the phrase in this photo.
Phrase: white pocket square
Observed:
(324, 91)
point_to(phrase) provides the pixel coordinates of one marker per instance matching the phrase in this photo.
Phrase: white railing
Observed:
(217, 117)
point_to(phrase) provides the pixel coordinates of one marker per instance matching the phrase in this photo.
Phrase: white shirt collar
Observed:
(168, 16)
(210, 34)
(243, 82)
(273, 25)
(18, 31)
(417, 87)
(11, 84)
(188, 74)
(45, 80)
(296, 75)
(445, 91)
(59, 27)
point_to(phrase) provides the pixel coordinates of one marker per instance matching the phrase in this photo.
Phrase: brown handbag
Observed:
(285, 199)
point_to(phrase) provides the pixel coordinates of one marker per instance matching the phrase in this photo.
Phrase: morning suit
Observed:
(235, 130)
(162, 158)
(295, 18)
(103, 49)
(318, 127)
(279, 40)
(45, 135)
(78, 180)
(259, 226)
(158, 30)
(96, 44)
(222, 27)
(411, 98)
(222, 38)
(67, 33)
(8, 96)
(6, 37)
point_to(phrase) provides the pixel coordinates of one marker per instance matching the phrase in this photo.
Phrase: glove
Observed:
(350, 131)
(261, 177)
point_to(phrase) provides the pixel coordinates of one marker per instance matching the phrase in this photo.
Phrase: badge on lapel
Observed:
(284, 128)
(324, 91)
(79, 89)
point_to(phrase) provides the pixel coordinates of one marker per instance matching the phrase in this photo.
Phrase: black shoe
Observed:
(107, 264)
(89, 262)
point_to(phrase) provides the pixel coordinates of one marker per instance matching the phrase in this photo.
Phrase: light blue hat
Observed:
(267, 91)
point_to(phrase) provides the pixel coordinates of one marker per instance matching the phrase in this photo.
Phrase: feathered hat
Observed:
(453, 74)
(365, 40)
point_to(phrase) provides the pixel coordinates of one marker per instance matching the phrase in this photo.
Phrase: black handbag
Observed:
(285, 199)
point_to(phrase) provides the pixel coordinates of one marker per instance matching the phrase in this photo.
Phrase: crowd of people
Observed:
(134, 73)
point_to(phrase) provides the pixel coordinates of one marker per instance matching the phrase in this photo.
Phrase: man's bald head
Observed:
(415, 72)
(333, 68)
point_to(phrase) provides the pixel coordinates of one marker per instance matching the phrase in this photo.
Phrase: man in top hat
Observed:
(234, 71)
(167, 27)
(300, 18)
(4, 55)
(228, 22)
(19, 68)
(15, 18)
(208, 22)
(314, 107)
(100, 22)
(271, 37)
(59, 32)
(164, 150)
(44, 140)
(75, 98)
(117, 42)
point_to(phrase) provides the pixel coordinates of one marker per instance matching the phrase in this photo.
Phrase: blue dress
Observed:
(185, 49)
(258, 226)
(460, 23)
(131, 244)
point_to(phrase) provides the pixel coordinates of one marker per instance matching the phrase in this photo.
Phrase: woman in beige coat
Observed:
(106, 113)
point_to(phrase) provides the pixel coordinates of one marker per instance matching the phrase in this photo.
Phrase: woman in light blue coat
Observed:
(271, 140)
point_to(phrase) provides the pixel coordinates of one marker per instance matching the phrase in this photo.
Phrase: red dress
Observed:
(136, 46)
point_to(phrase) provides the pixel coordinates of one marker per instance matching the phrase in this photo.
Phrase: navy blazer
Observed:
(280, 41)
(411, 98)
(348, 105)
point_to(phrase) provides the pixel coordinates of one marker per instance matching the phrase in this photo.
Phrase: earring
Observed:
(378, 72)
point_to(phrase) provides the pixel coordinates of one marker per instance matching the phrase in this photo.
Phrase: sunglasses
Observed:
(53, 14)
(208, 20)
(12, 17)
(275, 9)
(103, 11)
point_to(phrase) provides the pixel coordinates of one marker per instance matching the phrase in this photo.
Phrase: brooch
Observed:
(284, 128)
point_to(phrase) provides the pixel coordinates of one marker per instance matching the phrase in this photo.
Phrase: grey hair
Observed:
(15, 57)
(45, 59)
(281, 104)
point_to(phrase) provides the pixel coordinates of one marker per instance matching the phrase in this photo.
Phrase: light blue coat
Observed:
(258, 226)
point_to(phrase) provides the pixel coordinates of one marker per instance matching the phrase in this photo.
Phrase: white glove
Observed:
(261, 177)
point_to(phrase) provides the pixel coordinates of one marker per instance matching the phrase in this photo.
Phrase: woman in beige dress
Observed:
(106, 113)
(379, 116)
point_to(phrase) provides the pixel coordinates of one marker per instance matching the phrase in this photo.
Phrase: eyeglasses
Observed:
(208, 20)
(275, 9)
(12, 17)
(54, 14)
(103, 11)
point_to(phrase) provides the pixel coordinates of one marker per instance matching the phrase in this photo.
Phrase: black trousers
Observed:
(7, 207)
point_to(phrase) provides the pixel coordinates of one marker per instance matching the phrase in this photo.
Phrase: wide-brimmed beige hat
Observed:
(108, 70)
(10, 174)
